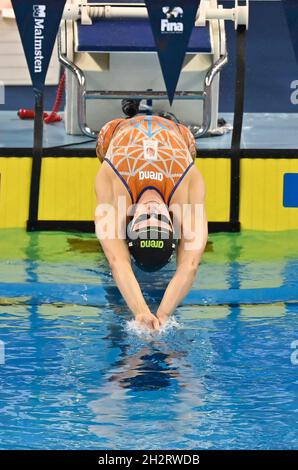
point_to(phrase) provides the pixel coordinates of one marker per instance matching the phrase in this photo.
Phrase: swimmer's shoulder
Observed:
(110, 182)
(192, 186)
(193, 176)
(106, 174)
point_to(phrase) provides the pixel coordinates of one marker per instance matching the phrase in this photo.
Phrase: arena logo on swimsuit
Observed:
(168, 25)
(150, 175)
(39, 15)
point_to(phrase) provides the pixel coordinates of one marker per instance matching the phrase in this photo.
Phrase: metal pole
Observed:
(237, 128)
(37, 153)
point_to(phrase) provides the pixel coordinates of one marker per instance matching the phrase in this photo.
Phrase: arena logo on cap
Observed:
(152, 244)
(170, 25)
(39, 15)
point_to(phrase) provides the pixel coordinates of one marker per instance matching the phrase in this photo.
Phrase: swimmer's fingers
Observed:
(148, 320)
(156, 324)
(152, 322)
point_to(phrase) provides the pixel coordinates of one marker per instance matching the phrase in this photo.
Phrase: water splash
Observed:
(132, 326)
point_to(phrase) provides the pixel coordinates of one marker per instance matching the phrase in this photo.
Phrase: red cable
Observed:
(53, 116)
(28, 114)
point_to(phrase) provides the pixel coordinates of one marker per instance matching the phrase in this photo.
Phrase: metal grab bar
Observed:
(83, 95)
(81, 80)
(103, 10)
(139, 95)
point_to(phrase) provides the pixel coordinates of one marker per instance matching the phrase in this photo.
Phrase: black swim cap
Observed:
(152, 247)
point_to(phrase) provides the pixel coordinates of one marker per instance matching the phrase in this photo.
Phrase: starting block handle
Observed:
(239, 14)
(86, 11)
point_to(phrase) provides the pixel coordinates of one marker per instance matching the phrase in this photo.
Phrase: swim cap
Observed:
(152, 247)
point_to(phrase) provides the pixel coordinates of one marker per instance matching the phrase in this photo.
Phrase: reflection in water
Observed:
(146, 370)
(148, 381)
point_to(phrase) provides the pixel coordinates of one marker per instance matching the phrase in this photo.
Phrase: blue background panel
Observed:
(131, 35)
(290, 190)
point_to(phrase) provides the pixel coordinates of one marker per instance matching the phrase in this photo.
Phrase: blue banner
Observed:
(172, 24)
(290, 190)
(38, 25)
(291, 12)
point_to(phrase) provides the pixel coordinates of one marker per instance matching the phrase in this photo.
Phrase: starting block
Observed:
(109, 53)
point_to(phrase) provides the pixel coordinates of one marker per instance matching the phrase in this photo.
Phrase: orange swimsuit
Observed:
(147, 152)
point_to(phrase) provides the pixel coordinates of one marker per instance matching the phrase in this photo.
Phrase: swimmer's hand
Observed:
(162, 317)
(147, 320)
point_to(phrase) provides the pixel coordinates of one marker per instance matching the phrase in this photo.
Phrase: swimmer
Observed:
(148, 162)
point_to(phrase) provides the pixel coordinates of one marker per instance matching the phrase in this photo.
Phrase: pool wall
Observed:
(67, 190)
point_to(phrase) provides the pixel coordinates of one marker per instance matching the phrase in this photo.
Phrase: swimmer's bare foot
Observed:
(148, 320)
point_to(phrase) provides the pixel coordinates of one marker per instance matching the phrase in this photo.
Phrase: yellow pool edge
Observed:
(67, 190)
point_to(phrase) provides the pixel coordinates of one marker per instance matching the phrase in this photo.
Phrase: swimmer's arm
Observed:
(119, 260)
(116, 249)
(181, 283)
(190, 251)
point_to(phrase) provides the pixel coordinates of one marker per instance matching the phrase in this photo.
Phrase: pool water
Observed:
(82, 377)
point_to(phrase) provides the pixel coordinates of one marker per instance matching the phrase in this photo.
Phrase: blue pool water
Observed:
(81, 377)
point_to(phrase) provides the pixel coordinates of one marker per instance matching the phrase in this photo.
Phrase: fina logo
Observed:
(170, 25)
(39, 15)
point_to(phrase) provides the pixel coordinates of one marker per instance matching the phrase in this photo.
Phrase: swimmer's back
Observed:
(134, 130)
